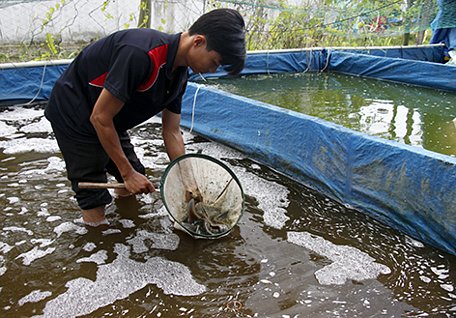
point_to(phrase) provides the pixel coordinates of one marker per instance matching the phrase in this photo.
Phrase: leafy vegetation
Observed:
(322, 23)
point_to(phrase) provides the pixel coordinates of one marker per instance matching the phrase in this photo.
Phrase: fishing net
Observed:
(202, 195)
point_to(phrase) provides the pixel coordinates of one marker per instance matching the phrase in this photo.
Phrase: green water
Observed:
(412, 115)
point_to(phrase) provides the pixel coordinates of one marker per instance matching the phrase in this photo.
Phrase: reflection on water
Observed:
(295, 253)
(412, 115)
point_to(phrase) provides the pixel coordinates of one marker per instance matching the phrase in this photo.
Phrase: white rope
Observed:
(194, 104)
(310, 61)
(327, 61)
(39, 89)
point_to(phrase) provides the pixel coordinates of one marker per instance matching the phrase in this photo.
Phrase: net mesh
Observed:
(203, 196)
(42, 30)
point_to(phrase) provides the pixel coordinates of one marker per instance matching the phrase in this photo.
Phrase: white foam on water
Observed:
(447, 287)
(17, 229)
(6, 130)
(168, 241)
(69, 227)
(13, 200)
(20, 114)
(42, 242)
(272, 197)
(425, 279)
(118, 280)
(155, 213)
(89, 247)
(2, 268)
(99, 258)
(34, 297)
(126, 223)
(53, 218)
(34, 254)
(43, 126)
(348, 262)
(43, 212)
(413, 242)
(25, 145)
(5, 247)
(111, 231)
(56, 164)
(215, 150)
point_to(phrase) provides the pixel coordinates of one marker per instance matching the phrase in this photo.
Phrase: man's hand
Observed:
(138, 183)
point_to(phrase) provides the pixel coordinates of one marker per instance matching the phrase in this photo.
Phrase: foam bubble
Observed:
(25, 145)
(69, 227)
(13, 200)
(111, 231)
(99, 258)
(53, 218)
(2, 268)
(5, 248)
(43, 126)
(447, 287)
(272, 197)
(348, 262)
(34, 297)
(42, 242)
(118, 280)
(20, 114)
(17, 229)
(159, 241)
(127, 224)
(34, 254)
(89, 247)
(6, 130)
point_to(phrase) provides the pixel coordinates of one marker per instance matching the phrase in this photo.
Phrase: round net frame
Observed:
(202, 195)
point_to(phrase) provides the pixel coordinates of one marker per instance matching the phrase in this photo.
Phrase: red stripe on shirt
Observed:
(158, 59)
(99, 81)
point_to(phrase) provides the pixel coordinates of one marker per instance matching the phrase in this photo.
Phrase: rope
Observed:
(194, 104)
(327, 61)
(39, 89)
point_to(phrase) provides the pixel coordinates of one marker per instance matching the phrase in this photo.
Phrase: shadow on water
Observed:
(141, 266)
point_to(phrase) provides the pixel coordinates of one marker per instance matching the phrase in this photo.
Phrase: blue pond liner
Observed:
(410, 189)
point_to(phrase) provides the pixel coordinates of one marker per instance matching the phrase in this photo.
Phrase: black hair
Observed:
(224, 30)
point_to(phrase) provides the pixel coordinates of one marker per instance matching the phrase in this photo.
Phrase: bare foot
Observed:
(95, 217)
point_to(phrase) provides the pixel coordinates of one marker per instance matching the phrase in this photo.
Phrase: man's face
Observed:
(201, 60)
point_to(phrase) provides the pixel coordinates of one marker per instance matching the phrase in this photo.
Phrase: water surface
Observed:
(295, 253)
(412, 115)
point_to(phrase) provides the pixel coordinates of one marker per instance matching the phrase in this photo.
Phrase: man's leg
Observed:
(86, 162)
(95, 217)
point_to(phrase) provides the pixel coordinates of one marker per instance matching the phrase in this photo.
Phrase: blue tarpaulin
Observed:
(29, 83)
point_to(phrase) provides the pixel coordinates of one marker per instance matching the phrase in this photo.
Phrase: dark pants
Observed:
(89, 162)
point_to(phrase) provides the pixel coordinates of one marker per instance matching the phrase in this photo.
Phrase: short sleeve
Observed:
(176, 105)
(129, 67)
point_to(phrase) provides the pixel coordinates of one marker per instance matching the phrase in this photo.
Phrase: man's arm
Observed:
(106, 107)
(174, 143)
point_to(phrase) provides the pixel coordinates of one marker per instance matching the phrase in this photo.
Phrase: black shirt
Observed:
(135, 66)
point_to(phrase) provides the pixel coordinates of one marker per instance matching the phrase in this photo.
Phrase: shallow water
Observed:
(294, 253)
(412, 115)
